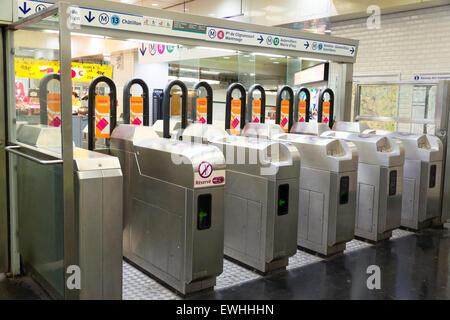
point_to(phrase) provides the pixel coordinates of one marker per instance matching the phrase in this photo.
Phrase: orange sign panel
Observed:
(284, 119)
(202, 107)
(326, 112)
(235, 117)
(54, 109)
(256, 111)
(302, 111)
(137, 111)
(102, 117)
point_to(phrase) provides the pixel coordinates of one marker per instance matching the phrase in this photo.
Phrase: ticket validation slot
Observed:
(284, 108)
(326, 108)
(303, 106)
(166, 107)
(102, 111)
(235, 109)
(203, 112)
(257, 108)
(136, 109)
(50, 103)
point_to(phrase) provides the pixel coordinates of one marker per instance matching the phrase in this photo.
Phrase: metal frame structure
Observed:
(4, 250)
(70, 230)
(62, 9)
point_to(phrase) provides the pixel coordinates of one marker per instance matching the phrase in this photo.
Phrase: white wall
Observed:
(155, 76)
(407, 43)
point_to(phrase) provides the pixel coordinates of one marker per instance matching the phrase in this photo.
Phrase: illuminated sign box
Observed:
(317, 73)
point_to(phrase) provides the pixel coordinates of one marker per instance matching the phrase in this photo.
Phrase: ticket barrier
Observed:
(325, 109)
(328, 180)
(203, 130)
(256, 107)
(303, 113)
(327, 202)
(102, 116)
(380, 177)
(422, 178)
(136, 110)
(173, 203)
(261, 194)
(98, 205)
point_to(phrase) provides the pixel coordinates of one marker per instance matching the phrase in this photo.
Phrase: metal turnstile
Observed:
(173, 203)
(422, 178)
(327, 202)
(98, 196)
(380, 177)
(261, 201)
(261, 194)
(327, 186)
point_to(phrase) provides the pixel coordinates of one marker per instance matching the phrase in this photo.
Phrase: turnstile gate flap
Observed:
(186, 164)
(355, 127)
(323, 153)
(310, 128)
(417, 146)
(376, 150)
(202, 133)
(125, 136)
(262, 130)
(259, 156)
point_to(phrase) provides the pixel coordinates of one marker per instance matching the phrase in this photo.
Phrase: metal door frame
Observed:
(70, 226)
(4, 229)
(62, 9)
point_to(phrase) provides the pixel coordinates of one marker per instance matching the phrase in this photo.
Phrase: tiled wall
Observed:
(406, 45)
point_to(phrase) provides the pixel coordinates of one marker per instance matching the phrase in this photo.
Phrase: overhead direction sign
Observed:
(138, 23)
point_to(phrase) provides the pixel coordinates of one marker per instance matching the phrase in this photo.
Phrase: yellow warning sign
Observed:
(302, 111)
(54, 109)
(36, 69)
(202, 108)
(326, 112)
(137, 111)
(256, 111)
(235, 116)
(284, 119)
(102, 117)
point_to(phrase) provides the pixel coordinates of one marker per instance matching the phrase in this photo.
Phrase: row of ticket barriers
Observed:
(179, 195)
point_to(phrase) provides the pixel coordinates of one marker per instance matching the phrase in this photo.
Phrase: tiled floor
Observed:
(414, 265)
(137, 285)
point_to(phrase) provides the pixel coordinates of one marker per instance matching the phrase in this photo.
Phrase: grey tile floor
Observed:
(138, 286)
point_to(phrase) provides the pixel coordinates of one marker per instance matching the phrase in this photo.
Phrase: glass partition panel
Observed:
(35, 152)
(37, 111)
